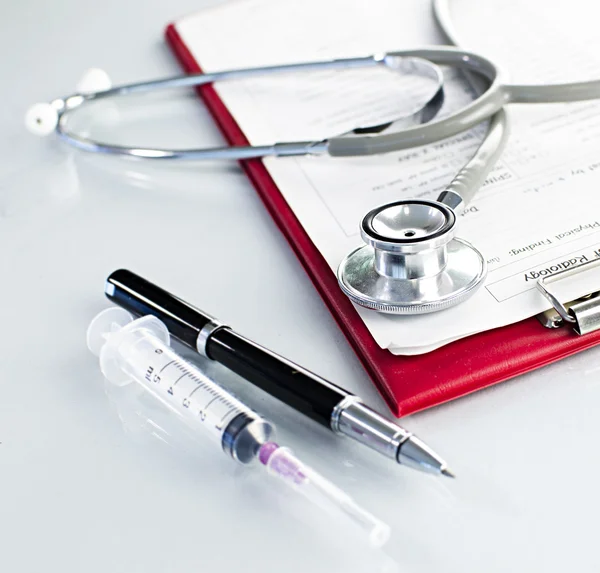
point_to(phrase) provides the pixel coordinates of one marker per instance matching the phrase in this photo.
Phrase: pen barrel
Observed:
(141, 297)
(299, 388)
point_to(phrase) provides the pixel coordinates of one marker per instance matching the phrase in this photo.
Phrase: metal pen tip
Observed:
(447, 472)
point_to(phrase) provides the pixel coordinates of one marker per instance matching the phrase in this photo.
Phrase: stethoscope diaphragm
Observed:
(411, 264)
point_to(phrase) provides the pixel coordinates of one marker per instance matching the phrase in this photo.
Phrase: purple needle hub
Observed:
(284, 464)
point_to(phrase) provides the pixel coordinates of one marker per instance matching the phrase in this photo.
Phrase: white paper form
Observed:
(538, 212)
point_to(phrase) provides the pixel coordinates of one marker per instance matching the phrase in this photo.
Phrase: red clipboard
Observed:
(407, 383)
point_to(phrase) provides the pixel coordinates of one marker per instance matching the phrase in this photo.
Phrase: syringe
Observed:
(139, 350)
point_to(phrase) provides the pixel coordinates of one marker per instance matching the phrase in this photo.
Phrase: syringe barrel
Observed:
(140, 350)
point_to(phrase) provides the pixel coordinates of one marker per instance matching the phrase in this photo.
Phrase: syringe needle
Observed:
(281, 462)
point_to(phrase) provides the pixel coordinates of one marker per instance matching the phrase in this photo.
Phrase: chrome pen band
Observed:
(357, 421)
(205, 333)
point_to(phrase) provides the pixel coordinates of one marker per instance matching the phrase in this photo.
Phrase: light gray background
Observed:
(79, 493)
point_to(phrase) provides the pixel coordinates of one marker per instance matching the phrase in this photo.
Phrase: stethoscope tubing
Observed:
(480, 109)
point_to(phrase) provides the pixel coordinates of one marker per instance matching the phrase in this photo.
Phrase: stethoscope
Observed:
(411, 262)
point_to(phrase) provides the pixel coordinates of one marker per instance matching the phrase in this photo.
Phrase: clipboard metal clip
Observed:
(582, 313)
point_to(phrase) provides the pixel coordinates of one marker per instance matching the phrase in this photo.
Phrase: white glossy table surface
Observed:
(80, 494)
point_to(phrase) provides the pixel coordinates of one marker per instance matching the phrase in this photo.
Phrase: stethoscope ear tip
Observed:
(94, 80)
(41, 119)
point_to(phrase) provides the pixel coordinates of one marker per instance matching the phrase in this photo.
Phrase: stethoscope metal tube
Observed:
(60, 109)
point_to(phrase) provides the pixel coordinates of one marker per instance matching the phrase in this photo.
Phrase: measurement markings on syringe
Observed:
(166, 366)
(186, 373)
(185, 378)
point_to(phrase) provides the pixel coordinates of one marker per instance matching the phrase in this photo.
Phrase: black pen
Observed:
(308, 393)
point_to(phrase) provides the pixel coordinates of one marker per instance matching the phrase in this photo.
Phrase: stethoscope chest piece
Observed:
(412, 263)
